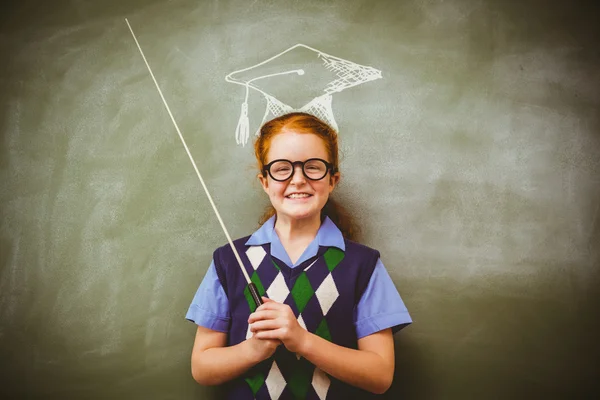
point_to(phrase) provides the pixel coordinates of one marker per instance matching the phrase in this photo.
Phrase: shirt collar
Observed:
(328, 235)
(263, 234)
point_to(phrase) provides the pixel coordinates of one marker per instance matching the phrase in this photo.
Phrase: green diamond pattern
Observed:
(301, 379)
(261, 291)
(332, 257)
(323, 330)
(256, 382)
(302, 291)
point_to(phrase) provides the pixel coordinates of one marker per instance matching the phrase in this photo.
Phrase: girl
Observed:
(330, 308)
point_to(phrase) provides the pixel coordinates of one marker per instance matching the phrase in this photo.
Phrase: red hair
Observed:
(306, 123)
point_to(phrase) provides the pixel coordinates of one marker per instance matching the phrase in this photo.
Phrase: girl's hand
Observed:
(277, 321)
(261, 349)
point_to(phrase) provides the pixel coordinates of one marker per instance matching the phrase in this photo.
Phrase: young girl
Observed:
(330, 308)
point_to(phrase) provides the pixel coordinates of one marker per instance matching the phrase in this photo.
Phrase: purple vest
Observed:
(323, 292)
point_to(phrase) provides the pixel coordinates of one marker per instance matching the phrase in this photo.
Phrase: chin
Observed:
(300, 214)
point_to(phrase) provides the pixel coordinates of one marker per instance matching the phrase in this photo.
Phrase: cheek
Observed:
(276, 189)
(323, 188)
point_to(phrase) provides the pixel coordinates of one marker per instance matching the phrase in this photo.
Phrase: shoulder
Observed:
(226, 251)
(359, 249)
(224, 259)
(365, 257)
(241, 242)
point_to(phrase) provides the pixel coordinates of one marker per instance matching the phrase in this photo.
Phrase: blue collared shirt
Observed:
(380, 306)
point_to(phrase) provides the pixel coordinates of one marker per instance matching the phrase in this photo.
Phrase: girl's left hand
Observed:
(274, 320)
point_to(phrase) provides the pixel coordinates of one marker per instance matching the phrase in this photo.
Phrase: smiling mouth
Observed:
(298, 196)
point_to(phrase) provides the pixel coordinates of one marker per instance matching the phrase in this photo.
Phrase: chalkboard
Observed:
(472, 166)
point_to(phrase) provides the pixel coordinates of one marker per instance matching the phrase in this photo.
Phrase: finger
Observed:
(270, 305)
(267, 300)
(269, 324)
(273, 334)
(263, 314)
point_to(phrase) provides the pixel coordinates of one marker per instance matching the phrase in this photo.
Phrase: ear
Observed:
(334, 180)
(264, 182)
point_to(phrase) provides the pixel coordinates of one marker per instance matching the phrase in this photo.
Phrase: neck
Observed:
(291, 230)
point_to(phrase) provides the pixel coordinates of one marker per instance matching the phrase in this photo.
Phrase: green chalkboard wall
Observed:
(473, 166)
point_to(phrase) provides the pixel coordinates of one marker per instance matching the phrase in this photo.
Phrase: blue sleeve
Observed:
(380, 306)
(210, 306)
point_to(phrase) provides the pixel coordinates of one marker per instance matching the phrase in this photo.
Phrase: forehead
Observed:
(295, 146)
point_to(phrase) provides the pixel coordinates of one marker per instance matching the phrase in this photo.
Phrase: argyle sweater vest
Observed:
(322, 292)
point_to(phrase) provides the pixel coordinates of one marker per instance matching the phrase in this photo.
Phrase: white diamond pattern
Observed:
(327, 294)
(255, 255)
(248, 333)
(321, 383)
(302, 324)
(278, 290)
(275, 382)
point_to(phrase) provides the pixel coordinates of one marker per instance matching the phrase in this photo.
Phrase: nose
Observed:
(298, 177)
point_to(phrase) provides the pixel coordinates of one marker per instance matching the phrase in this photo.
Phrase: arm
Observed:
(371, 367)
(214, 363)
(379, 313)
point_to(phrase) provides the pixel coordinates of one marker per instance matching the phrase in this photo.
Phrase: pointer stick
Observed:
(251, 285)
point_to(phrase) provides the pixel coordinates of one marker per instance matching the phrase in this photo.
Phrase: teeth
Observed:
(298, 195)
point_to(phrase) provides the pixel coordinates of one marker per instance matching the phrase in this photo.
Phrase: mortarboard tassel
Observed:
(242, 132)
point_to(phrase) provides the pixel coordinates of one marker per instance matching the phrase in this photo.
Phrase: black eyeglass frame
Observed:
(329, 168)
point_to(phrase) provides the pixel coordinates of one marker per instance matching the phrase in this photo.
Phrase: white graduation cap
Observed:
(342, 74)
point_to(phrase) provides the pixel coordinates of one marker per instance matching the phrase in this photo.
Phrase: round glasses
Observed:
(314, 169)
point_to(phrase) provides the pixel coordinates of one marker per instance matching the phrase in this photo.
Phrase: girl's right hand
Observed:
(261, 349)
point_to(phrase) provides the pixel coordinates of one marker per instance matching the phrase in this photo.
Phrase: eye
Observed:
(314, 166)
(282, 168)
